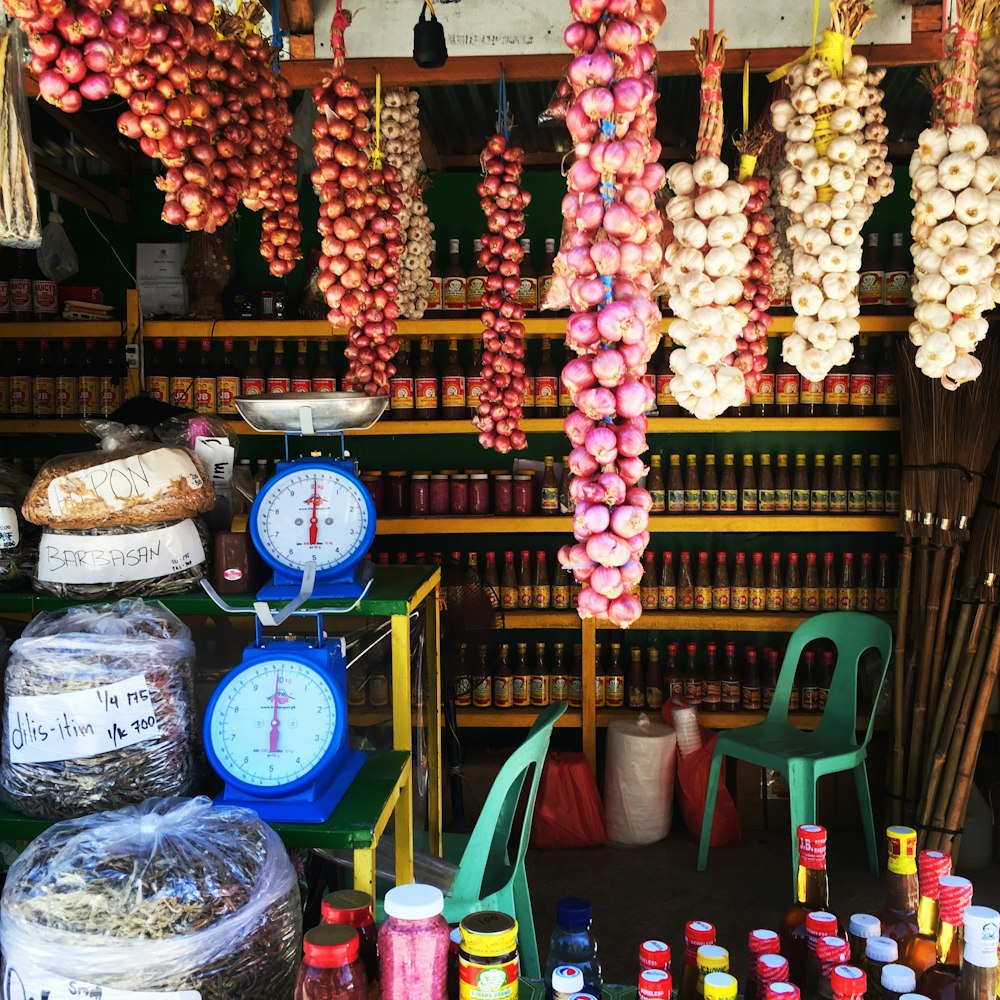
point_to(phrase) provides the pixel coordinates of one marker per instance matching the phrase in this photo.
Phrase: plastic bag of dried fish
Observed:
(171, 895)
(98, 710)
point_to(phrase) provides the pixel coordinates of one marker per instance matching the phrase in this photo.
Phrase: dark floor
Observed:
(651, 892)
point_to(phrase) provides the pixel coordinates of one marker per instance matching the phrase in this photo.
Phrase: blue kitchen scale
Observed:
(275, 729)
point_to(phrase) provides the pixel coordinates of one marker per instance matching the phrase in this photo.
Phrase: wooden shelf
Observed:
(722, 621)
(60, 329)
(735, 720)
(659, 524)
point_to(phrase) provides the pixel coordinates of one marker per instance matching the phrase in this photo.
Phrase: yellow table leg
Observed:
(589, 720)
(433, 657)
(364, 870)
(402, 740)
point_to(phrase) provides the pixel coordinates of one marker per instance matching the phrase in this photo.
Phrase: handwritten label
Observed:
(124, 480)
(118, 558)
(218, 457)
(48, 727)
(30, 983)
(10, 534)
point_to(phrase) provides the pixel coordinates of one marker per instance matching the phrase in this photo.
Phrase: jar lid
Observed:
(397, 473)
(459, 475)
(713, 958)
(654, 954)
(448, 472)
(981, 929)
(348, 906)
(414, 901)
(567, 979)
(864, 925)
(720, 986)
(478, 475)
(330, 946)
(898, 978)
(489, 933)
(438, 475)
(420, 475)
(476, 472)
(503, 475)
(523, 476)
(881, 949)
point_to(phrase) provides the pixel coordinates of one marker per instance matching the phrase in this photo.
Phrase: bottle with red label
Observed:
(44, 297)
(811, 397)
(21, 310)
(301, 377)
(454, 284)
(475, 284)
(546, 273)
(181, 379)
(527, 292)
(862, 380)
(4, 394)
(762, 400)
(66, 382)
(279, 377)
(453, 401)
(566, 406)
(886, 398)
(434, 289)
(323, 377)
(787, 383)
(157, 380)
(546, 383)
(44, 383)
(204, 380)
(401, 391)
(475, 383)
(871, 286)
(111, 378)
(898, 277)
(227, 382)
(425, 383)
(4, 289)
(837, 391)
(253, 382)
(20, 392)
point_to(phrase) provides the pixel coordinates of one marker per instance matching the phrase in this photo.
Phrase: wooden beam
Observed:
(300, 16)
(81, 192)
(428, 151)
(301, 46)
(102, 142)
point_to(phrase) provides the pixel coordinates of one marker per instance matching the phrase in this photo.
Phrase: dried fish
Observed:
(19, 219)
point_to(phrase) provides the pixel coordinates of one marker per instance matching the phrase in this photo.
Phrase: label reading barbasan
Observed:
(29, 983)
(48, 727)
(10, 534)
(141, 555)
(143, 476)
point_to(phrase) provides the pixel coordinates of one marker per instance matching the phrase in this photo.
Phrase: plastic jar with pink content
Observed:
(413, 944)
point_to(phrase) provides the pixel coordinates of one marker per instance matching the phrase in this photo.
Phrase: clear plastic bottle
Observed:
(572, 943)
(413, 944)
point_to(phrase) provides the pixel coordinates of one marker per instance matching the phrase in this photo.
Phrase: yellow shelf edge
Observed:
(62, 329)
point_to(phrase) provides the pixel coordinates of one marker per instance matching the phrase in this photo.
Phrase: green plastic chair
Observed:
(804, 757)
(491, 872)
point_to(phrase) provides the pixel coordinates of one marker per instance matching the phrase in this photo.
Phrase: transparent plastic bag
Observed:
(169, 895)
(56, 256)
(134, 661)
(19, 218)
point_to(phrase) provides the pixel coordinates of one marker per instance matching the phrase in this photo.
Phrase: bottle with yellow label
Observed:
(454, 285)
(527, 292)
(488, 962)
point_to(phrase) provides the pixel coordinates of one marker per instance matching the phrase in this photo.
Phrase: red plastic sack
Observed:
(568, 808)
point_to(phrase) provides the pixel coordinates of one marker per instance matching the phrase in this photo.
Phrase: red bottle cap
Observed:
(696, 932)
(847, 981)
(772, 969)
(782, 991)
(812, 846)
(820, 924)
(655, 984)
(654, 955)
(764, 942)
(955, 894)
(330, 946)
(831, 951)
(931, 867)
(349, 907)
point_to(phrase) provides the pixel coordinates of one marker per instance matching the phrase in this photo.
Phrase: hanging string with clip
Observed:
(338, 26)
(503, 111)
(377, 147)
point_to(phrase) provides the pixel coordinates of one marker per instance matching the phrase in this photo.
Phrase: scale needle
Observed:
(273, 747)
(314, 502)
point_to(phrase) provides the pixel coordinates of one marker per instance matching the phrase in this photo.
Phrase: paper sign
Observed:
(137, 477)
(140, 555)
(10, 534)
(218, 456)
(162, 288)
(29, 983)
(47, 727)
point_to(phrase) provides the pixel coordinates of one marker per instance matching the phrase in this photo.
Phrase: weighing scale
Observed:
(276, 727)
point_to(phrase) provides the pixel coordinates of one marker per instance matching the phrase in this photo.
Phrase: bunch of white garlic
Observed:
(956, 232)
(989, 88)
(835, 172)
(705, 261)
(401, 146)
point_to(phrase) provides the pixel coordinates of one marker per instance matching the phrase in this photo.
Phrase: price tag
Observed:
(30, 983)
(140, 555)
(47, 727)
(10, 534)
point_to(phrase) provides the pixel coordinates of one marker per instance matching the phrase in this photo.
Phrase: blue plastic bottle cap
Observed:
(574, 913)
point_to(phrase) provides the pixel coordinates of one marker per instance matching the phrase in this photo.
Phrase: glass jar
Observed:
(439, 494)
(354, 909)
(459, 493)
(524, 494)
(420, 494)
(413, 944)
(503, 494)
(479, 493)
(375, 485)
(331, 968)
(488, 956)
(396, 499)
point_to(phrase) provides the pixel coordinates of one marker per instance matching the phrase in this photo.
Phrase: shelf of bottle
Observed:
(681, 621)
(61, 329)
(470, 718)
(668, 523)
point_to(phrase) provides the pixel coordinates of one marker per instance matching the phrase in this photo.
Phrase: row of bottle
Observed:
(763, 489)
(26, 294)
(66, 383)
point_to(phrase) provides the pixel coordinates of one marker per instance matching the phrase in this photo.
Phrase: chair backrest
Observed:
(852, 633)
(489, 861)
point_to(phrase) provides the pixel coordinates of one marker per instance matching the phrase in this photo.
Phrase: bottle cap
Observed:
(932, 866)
(954, 895)
(812, 846)
(914, 996)
(864, 925)
(764, 942)
(567, 979)
(881, 949)
(782, 991)
(696, 932)
(583, 996)
(898, 979)
(574, 913)
(720, 986)
(847, 981)
(819, 924)
(489, 933)
(713, 958)
(902, 842)
(329, 946)
(830, 951)
(654, 955)
(655, 984)
(982, 930)
(455, 940)
(414, 902)
(346, 906)
(772, 969)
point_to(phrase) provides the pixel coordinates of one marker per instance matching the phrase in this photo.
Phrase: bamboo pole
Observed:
(941, 632)
(898, 761)
(948, 681)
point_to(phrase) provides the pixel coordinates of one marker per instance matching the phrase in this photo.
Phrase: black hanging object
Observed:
(429, 47)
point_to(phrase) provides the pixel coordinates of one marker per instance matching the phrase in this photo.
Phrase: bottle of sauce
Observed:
(749, 495)
(565, 398)
(508, 584)
(886, 398)
(157, 380)
(546, 383)
(44, 383)
(524, 593)
(762, 400)
(866, 585)
(654, 679)
(782, 487)
(279, 377)
(702, 584)
(453, 283)
(600, 678)
(883, 587)
(709, 501)
(528, 401)
(739, 592)
(979, 955)
(476, 285)
(838, 486)
(675, 486)
(919, 951)
(758, 588)
(453, 401)
(527, 292)
(434, 287)
(227, 382)
(862, 380)
(696, 934)
(614, 684)
(560, 674)
(944, 980)
(837, 391)
(566, 501)
(685, 584)
(693, 687)
(720, 584)
(774, 596)
(521, 683)
(21, 392)
(765, 486)
(847, 592)
(792, 591)
(66, 383)
(576, 677)
(898, 274)
(204, 379)
(892, 484)
(810, 683)
(692, 486)
(401, 387)
(856, 498)
(728, 493)
(819, 491)
(667, 591)
(828, 584)
(425, 382)
(874, 486)
(550, 487)
(811, 397)
(21, 306)
(871, 287)
(750, 692)
(4, 291)
(324, 378)
(861, 927)
(899, 915)
(331, 967)
(541, 592)
(810, 585)
(355, 910)
(648, 590)
(482, 684)
(787, 385)
(711, 697)
(800, 486)
(730, 680)
(89, 383)
(254, 380)
(546, 274)
(654, 485)
(540, 681)
(301, 377)
(475, 383)
(111, 378)
(44, 297)
(812, 892)
(673, 682)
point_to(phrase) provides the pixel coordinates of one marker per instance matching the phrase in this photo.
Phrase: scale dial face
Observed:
(272, 724)
(312, 512)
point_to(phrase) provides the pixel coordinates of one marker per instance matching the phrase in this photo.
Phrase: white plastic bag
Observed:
(56, 256)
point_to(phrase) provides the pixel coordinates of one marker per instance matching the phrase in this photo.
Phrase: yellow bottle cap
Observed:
(720, 986)
(902, 850)
(489, 934)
